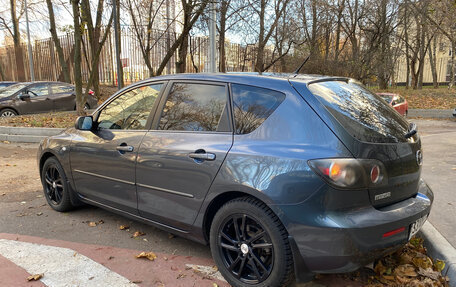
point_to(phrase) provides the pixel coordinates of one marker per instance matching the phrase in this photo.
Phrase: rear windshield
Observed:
(362, 113)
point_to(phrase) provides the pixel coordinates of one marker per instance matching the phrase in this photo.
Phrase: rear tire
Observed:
(7, 113)
(55, 185)
(250, 245)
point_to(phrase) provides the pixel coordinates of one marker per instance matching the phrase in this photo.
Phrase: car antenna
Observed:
(302, 65)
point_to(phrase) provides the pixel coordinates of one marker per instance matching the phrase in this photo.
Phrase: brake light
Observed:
(350, 172)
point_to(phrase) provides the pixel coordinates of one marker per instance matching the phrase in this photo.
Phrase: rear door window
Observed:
(362, 113)
(38, 90)
(252, 106)
(195, 107)
(61, 89)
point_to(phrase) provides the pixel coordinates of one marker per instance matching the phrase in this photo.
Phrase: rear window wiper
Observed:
(413, 129)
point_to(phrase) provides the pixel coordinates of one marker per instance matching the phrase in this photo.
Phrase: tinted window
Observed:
(59, 89)
(11, 90)
(38, 90)
(130, 110)
(252, 106)
(363, 114)
(194, 107)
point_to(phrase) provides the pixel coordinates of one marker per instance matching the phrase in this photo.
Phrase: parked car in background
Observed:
(40, 97)
(398, 102)
(5, 84)
(281, 174)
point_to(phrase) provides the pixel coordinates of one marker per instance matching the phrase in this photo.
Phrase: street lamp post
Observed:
(29, 45)
(212, 36)
(116, 40)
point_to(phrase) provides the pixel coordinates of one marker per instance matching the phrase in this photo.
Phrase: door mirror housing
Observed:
(24, 96)
(84, 123)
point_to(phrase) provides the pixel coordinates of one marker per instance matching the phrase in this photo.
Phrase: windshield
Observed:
(9, 91)
(362, 113)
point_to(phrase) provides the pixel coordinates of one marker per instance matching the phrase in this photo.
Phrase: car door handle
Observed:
(125, 148)
(202, 156)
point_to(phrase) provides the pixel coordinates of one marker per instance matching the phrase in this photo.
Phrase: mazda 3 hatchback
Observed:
(283, 176)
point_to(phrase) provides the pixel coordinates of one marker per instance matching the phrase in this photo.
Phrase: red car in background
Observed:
(398, 102)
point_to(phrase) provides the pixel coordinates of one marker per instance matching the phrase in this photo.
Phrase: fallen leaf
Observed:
(35, 277)
(110, 257)
(439, 265)
(181, 275)
(149, 255)
(123, 227)
(138, 233)
(3, 194)
(39, 214)
(171, 236)
(405, 270)
(92, 224)
(434, 275)
(214, 285)
(101, 221)
(136, 281)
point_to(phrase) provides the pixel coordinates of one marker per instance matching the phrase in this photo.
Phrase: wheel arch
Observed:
(45, 156)
(218, 201)
(10, 108)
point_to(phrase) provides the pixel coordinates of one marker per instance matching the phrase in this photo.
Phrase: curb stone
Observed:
(27, 134)
(430, 113)
(439, 248)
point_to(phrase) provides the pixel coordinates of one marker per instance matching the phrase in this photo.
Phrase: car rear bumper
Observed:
(353, 239)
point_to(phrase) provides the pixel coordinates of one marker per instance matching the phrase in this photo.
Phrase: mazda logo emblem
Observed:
(419, 157)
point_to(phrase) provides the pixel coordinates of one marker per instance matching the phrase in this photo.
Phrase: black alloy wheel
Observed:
(250, 245)
(246, 248)
(55, 185)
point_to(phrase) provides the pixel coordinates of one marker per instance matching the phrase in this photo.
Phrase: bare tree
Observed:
(97, 38)
(80, 101)
(192, 10)
(56, 40)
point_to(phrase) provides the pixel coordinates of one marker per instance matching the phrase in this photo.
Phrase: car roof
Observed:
(258, 78)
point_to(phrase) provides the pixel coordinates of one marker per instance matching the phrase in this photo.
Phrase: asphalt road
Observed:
(439, 171)
(23, 210)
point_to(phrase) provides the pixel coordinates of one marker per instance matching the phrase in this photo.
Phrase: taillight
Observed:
(350, 172)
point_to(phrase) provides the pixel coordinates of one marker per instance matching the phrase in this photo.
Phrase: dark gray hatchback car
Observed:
(283, 175)
(40, 97)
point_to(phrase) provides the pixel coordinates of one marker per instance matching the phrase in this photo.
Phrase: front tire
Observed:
(55, 185)
(7, 113)
(250, 245)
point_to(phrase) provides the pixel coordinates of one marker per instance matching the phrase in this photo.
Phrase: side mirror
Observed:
(84, 123)
(24, 96)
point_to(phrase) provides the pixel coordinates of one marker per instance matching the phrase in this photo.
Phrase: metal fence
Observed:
(48, 67)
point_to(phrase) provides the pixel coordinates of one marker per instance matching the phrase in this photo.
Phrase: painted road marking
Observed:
(61, 266)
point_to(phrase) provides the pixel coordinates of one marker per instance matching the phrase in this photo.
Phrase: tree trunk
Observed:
(433, 64)
(222, 31)
(422, 55)
(80, 101)
(18, 53)
(119, 42)
(58, 47)
(453, 65)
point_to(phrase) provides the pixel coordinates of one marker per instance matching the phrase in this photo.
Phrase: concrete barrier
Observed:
(26, 134)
